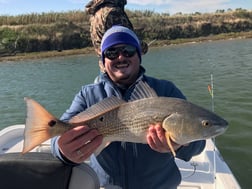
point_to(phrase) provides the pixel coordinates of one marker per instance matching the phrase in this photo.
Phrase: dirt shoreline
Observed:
(90, 50)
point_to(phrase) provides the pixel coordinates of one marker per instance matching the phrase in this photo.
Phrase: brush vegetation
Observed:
(70, 30)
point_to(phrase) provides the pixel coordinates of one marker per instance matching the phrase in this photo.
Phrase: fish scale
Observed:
(131, 120)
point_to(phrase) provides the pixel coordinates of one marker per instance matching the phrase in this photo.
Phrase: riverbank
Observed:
(154, 43)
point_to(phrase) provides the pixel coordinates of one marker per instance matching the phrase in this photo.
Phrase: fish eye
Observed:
(206, 123)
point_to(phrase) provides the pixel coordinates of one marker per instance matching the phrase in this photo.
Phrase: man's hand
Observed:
(79, 143)
(157, 140)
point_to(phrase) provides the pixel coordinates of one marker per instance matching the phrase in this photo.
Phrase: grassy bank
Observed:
(58, 33)
(157, 43)
(47, 54)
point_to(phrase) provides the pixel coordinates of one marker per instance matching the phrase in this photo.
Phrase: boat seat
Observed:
(42, 170)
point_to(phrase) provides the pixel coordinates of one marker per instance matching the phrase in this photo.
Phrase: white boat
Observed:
(205, 171)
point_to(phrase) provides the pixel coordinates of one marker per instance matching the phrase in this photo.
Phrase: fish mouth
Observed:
(218, 130)
(220, 127)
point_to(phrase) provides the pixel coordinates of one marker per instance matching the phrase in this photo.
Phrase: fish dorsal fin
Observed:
(98, 109)
(142, 90)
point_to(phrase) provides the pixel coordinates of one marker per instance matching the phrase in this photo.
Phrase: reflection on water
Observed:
(54, 82)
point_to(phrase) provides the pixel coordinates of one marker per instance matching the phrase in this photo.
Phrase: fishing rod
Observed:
(211, 91)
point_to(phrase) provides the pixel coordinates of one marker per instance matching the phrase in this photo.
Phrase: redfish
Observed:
(118, 120)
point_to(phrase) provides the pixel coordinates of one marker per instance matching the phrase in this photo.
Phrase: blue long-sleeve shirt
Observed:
(125, 164)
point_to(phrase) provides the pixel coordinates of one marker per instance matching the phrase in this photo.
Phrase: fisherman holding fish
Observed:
(125, 164)
(131, 126)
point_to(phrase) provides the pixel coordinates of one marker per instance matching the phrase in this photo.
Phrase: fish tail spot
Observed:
(101, 119)
(52, 123)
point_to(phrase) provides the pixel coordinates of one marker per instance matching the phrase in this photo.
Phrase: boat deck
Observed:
(205, 171)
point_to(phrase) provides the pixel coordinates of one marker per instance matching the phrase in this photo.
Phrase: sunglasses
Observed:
(114, 52)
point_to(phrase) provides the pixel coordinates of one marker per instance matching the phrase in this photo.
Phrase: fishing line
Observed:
(194, 164)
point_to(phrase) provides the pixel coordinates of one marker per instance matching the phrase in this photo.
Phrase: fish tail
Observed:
(38, 127)
(168, 139)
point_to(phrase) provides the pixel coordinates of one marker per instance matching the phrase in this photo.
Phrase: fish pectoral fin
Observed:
(168, 139)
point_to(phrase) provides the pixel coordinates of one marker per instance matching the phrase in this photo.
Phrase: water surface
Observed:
(53, 82)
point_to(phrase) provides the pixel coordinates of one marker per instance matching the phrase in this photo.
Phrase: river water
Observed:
(53, 82)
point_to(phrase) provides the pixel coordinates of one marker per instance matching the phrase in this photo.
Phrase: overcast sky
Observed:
(15, 7)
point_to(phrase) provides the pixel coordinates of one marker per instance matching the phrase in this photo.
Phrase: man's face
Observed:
(122, 64)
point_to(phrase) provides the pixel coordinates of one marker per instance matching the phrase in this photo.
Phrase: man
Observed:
(103, 15)
(128, 165)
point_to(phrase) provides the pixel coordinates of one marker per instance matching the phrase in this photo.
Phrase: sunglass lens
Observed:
(129, 51)
(113, 52)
